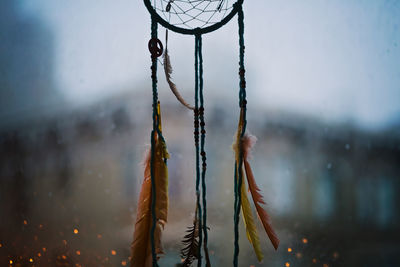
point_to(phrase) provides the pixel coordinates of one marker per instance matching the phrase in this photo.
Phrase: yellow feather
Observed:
(161, 178)
(250, 225)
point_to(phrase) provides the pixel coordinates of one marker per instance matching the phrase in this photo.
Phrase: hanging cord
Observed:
(202, 151)
(242, 105)
(196, 140)
(153, 137)
(235, 219)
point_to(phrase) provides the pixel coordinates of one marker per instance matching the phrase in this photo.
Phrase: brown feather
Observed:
(168, 72)
(141, 246)
(190, 250)
(248, 142)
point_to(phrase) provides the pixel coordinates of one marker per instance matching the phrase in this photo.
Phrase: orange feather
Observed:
(141, 245)
(247, 143)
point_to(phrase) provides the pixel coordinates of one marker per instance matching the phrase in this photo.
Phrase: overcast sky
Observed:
(337, 59)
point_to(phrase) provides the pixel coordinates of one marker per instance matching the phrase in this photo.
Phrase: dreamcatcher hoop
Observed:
(197, 30)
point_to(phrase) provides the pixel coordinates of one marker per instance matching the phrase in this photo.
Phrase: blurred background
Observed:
(323, 80)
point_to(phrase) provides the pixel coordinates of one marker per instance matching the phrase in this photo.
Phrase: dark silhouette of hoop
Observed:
(195, 31)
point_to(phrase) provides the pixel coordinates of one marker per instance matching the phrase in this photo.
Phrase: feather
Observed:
(250, 225)
(141, 255)
(190, 250)
(247, 142)
(244, 145)
(168, 72)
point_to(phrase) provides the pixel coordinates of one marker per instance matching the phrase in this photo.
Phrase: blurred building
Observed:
(82, 168)
(27, 80)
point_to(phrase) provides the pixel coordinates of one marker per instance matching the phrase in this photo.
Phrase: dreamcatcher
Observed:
(194, 17)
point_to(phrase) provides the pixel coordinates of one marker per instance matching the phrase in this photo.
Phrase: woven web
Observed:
(190, 14)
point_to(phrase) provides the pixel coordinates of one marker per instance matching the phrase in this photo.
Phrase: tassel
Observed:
(244, 145)
(141, 255)
(190, 250)
(168, 72)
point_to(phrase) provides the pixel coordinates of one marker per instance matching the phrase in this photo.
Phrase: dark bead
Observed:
(202, 123)
(203, 131)
(203, 153)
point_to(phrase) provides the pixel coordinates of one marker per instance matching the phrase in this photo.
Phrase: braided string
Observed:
(236, 219)
(242, 104)
(153, 137)
(203, 152)
(196, 139)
